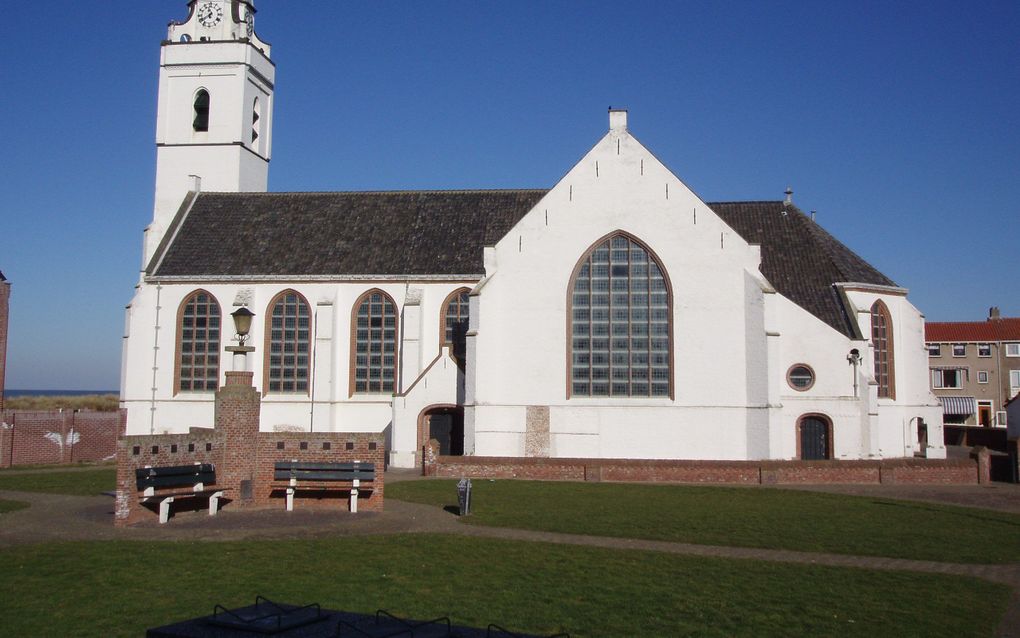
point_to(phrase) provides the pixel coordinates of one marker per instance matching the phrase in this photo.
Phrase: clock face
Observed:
(250, 21)
(210, 14)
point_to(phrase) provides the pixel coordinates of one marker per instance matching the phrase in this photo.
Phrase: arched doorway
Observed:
(444, 423)
(814, 438)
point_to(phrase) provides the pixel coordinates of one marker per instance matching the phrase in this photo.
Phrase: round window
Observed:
(800, 377)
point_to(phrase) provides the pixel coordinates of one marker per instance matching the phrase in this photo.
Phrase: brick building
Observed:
(975, 367)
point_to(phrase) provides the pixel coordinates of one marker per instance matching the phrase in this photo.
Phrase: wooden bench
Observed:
(153, 482)
(311, 475)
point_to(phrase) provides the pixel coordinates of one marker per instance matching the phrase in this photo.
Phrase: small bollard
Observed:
(464, 496)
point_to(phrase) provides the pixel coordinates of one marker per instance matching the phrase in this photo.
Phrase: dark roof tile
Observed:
(443, 232)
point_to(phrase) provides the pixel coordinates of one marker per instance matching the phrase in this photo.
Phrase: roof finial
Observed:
(789, 195)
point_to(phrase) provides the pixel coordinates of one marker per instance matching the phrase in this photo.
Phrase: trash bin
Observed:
(464, 496)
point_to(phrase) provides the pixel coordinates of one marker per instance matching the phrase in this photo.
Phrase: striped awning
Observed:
(958, 406)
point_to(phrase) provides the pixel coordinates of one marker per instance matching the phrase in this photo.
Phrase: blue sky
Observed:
(898, 122)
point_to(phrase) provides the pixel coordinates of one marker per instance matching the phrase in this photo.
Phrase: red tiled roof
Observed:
(1005, 329)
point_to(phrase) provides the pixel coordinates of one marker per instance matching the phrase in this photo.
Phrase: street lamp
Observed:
(242, 325)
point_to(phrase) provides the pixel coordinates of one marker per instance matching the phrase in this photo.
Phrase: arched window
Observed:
(198, 343)
(882, 340)
(454, 323)
(374, 343)
(620, 309)
(255, 121)
(201, 121)
(288, 335)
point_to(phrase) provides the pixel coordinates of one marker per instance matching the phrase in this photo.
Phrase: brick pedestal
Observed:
(237, 417)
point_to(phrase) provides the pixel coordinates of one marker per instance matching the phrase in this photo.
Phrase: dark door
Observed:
(447, 427)
(814, 439)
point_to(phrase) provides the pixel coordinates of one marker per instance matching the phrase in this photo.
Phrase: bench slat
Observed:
(312, 475)
(176, 475)
(171, 481)
(309, 465)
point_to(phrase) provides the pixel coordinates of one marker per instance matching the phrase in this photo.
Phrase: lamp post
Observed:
(854, 359)
(242, 325)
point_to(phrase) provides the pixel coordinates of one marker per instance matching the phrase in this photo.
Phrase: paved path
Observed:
(57, 517)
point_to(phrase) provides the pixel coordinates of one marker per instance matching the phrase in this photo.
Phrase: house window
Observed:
(374, 343)
(198, 343)
(934, 350)
(959, 350)
(982, 376)
(201, 121)
(949, 378)
(288, 333)
(984, 349)
(1014, 382)
(800, 377)
(255, 121)
(455, 323)
(1013, 349)
(620, 326)
(882, 340)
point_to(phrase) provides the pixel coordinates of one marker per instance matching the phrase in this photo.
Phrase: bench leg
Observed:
(164, 509)
(214, 503)
(354, 500)
(290, 499)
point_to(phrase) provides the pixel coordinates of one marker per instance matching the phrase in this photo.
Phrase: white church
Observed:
(614, 315)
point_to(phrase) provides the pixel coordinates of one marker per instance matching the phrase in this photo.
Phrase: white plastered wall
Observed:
(520, 348)
(150, 342)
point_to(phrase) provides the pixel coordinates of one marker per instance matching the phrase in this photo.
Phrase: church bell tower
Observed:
(215, 113)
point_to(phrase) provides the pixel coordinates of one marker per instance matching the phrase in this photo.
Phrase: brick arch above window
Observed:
(619, 322)
(453, 322)
(287, 360)
(374, 334)
(197, 354)
(882, 342)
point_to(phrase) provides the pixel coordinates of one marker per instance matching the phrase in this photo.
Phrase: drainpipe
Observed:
(155, 363)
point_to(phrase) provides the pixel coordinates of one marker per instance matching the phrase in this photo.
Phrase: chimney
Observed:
(196, 183)
(789, 196)
(813, 215)
(617, 119)
(993, 313)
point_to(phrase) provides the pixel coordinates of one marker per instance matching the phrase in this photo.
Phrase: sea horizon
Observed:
(11, 393)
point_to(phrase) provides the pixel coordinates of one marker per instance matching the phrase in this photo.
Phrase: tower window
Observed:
(201, 121)
(255, 121)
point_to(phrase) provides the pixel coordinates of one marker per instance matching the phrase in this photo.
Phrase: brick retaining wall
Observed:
(244, 458)
(931, 471)
(56, 437)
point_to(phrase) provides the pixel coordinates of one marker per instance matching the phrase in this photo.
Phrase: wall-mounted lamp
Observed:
(854, 359)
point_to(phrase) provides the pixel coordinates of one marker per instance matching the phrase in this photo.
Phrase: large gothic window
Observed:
(288, 338)
(882, 340)
(374, 343)
(198, 343)
(620, 327)
(455, 323)
(201, 121)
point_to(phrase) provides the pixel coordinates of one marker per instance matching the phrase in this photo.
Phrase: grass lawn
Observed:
(78, 483)
(746, 517)
(121, 588)
(11, 506)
